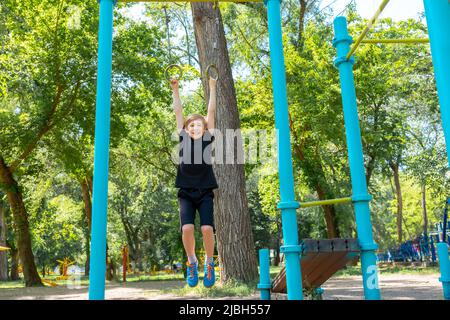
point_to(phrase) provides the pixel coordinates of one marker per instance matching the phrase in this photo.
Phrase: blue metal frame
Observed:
(360, 196)
(438, 20)
(288, 205)
(264, 274)
(101, 153)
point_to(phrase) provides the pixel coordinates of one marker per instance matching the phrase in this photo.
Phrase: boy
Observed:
(196, 182)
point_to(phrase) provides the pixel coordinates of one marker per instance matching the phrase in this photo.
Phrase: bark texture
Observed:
(235, 244)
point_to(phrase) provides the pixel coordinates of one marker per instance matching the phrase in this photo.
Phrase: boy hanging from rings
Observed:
(196, 181)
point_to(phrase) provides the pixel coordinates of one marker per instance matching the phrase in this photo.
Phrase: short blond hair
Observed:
(193, 117)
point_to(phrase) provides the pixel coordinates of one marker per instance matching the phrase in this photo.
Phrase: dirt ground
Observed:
(393, 286)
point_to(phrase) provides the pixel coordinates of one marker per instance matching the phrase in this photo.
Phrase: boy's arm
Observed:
(177, 108)
(211, 117)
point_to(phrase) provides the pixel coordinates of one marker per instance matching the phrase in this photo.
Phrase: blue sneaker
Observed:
(192, 274)
(210, 278)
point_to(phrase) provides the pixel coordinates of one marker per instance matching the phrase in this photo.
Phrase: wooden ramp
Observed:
(320, 260)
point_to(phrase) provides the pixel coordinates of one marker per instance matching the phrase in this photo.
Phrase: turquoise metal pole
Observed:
(438, 21)
(264, 274)
(444, 266)
(360, 196)
(101, 153)
(288, 205)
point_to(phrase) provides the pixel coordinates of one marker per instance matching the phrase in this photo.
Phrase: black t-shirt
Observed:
(195, 168)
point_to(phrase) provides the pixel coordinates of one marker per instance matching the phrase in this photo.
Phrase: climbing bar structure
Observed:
(367, 28)
(321, 259)
(101, 153)
(437, 13)
(412, 41)
(324, 202)
(264, 284)
(288, 206)
(360, 197)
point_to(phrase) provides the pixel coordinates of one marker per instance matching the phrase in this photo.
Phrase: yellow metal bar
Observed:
(368, 27)
(325, 202)
(4, 248)
(190, 0)
(418, 40)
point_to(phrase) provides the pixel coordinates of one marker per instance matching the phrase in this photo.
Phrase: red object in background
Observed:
(124, 263)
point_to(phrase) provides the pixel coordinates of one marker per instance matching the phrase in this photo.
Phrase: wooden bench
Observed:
(321, 259)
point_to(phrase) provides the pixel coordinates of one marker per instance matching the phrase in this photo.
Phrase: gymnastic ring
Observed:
(208, 75)
(166, 72)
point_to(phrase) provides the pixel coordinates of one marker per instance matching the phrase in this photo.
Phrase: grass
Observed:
(229, 289)
(12, 284)
(158, 277)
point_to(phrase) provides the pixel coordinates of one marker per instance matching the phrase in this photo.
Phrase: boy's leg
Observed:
(189, 241)
(206, 211)
(208, 240)
(187, 218)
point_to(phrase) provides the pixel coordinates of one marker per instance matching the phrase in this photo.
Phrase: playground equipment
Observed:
(442, 241)
(320, 260)
(438, 20)
(180, 72)
(170, 67)
(63, 266)
(50, 283)
(438, 234)
(125, 259)
(420, 249)
(101, 151)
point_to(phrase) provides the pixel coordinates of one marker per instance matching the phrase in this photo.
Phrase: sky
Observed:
(395, 9)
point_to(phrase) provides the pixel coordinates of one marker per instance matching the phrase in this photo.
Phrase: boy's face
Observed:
(196, 129)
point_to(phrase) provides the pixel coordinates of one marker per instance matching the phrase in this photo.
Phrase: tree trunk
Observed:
(111, 273)
(301, 25)
(3, 254)
(132, 235)
(87, 200)
(235, 244)
(424, 210)
(398, 190)
(369, 168)
(330, 215)
(14, 273)
(20, 218)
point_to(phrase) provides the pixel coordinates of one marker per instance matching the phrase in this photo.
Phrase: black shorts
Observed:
(191, 200)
